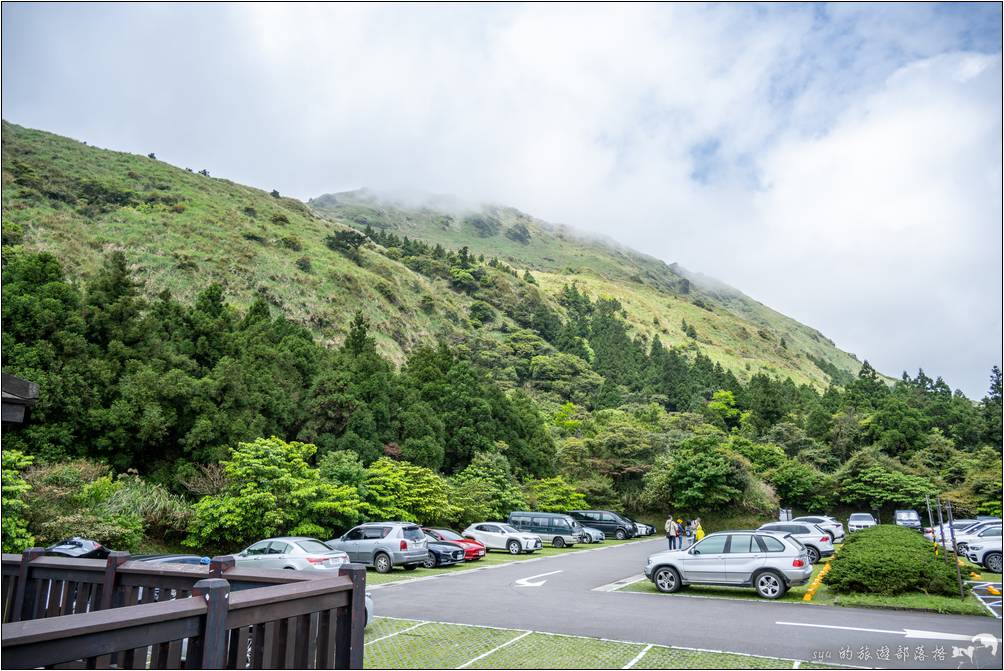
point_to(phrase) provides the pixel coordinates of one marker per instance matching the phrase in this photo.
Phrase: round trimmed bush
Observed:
(889, 559)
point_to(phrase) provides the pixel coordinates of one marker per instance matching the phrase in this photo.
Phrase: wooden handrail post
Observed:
(115, 559)
(220, 564)
(216, 592)
(349, 631)
(28, 556)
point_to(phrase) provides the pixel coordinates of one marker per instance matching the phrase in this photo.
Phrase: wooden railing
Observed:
(116, 613)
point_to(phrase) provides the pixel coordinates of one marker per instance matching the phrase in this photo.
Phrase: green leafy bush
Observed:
(485, 490)
(271, 490)
(16, 537)
(398, 490)
(889, 559)
(554, 495)
(74, 498)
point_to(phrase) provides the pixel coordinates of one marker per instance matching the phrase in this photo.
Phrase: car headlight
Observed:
(975, 547)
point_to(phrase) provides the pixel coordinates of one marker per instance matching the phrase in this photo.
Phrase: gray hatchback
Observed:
(769, 562)
(384, 545)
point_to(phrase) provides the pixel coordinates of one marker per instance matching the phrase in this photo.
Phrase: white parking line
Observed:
(617, 584)
(509, 642)
(396, 633)
(637, 657)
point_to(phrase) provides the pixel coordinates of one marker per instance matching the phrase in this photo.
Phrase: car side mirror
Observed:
(243, 554)
(694, 551)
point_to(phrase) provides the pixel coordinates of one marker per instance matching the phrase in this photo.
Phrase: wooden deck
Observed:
(117, 613)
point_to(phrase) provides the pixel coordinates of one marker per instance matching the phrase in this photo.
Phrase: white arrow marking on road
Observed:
(525, 582)
(906, 633)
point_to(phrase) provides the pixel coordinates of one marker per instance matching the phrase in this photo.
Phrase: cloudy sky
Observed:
(841, 164)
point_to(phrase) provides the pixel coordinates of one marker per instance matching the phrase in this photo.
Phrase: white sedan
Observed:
(501, 536)
(291, 552)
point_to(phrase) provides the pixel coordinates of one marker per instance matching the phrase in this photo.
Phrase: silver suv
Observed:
(817, 541)
(384, 545)
(768, 561)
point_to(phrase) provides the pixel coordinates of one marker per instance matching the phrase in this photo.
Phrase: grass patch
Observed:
(554, 651)
(434, 646)
(384, 626)
(674, 658)
(937, 603)
(491, 559)
(439, 645)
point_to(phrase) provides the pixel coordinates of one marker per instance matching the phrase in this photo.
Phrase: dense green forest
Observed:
(217, 363)
(162, 422)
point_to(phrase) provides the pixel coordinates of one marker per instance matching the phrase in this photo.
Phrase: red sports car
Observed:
(473, 550)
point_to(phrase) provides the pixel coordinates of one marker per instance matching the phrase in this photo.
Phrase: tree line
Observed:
(225, 417)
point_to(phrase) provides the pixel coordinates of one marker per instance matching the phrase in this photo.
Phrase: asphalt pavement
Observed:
(557, 595)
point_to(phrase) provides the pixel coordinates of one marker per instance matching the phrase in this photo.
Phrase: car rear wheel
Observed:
(621, 535)
(382, 563)
(514, 547)
(770, 585)
(813, 554)
(993, 562)
(431, 561)
(667, 580)
(559, 542)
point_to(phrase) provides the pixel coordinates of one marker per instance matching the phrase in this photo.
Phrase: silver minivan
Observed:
(384, 545)
(558, 529)
(769, 562)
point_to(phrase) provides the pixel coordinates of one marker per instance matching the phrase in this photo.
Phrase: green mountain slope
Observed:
(182, 230)
(742, 334)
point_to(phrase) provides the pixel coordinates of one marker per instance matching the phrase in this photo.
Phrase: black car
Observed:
(442, 553)
(173, 559)
(78, 548)
(610, 523)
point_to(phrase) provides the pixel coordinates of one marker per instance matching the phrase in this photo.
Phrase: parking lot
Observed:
(989, 594)
(403, 644)
(557, 594)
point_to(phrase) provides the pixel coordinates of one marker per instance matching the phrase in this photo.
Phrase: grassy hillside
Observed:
(743, 335)
(182, 230)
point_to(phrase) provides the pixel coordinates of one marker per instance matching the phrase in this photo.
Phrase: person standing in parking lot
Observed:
(672, 532)
(698, 530)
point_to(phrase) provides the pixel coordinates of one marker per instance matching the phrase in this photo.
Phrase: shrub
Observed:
(890, 560)
(15, 528)
(304, 264)
(554, 495)
(271, 490)
(280, 219)
(291, 242)
(399, 490)
(164, 515)
(485, 490)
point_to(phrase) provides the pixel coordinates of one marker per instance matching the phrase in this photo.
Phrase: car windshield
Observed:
(861, 517)
(413, 533)
(449, 535)
(313, 545)
(508, 529)
(906, 515)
